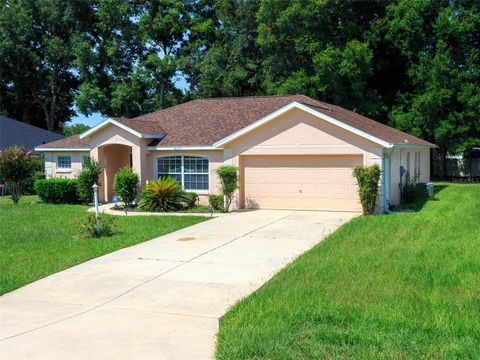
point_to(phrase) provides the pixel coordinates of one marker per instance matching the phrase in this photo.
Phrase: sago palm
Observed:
(165, 194)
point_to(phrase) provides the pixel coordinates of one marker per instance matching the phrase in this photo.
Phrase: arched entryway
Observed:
(112, 157)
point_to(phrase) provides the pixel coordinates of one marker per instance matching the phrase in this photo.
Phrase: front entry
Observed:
(112, 158)
(301, 182)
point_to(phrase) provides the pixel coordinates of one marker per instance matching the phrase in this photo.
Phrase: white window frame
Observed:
(182, 170)
(63, 169)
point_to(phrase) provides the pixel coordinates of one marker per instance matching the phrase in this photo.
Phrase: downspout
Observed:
(386, 164)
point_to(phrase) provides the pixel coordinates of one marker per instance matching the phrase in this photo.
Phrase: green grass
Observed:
(39, 239)
(403, 286)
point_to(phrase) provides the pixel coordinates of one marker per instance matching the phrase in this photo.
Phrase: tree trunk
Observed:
(49, 117)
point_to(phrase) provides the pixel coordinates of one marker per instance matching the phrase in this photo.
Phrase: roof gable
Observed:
(139, 128)
(297, 105)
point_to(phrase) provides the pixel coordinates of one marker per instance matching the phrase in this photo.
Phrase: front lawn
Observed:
(38, 239)
(401, 286)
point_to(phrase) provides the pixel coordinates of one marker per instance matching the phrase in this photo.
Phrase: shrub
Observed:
(57, 191)
(413, 192)
(86, 178)
(17, 170)
(229, 183)
(125, 185)
(88, 225)
(165, 194)
(190, 200)
(216, 202)
(368, 178)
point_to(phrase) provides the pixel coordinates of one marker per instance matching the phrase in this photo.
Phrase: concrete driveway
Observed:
(160, 299)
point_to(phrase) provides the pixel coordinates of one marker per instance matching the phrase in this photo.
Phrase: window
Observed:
(190, 171)
(64, 162)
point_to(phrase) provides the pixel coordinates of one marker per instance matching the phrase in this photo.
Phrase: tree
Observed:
(76, 129)
(442, 48)
(106, 60)
(163, 26)
(320, 49)
(226, 59)
(17, 170)
(342, 77)
(127, 60)
(37, 41)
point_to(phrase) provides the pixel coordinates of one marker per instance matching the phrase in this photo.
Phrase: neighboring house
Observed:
(16, 133)
(293, 152)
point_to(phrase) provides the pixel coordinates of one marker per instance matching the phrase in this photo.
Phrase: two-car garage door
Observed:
(301, 182)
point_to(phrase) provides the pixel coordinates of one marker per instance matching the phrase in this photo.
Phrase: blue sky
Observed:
(96, 118)
(91, 120)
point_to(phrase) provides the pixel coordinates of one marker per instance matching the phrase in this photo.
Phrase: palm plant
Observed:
(165, 194)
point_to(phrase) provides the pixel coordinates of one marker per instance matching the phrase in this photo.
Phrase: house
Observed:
(293, 152)
(16, 133)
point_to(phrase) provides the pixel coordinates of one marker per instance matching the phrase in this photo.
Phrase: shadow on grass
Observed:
(419, 204)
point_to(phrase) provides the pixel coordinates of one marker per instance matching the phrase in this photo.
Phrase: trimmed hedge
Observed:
(368, 178)
(57, 191)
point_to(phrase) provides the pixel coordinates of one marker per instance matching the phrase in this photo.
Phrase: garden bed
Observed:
(197, 210)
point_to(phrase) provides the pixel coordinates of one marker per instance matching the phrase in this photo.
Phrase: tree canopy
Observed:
(414, 64)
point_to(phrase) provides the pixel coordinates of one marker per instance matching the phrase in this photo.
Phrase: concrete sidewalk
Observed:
(160, 299)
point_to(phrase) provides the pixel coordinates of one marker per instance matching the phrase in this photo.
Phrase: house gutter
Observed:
(39, 149)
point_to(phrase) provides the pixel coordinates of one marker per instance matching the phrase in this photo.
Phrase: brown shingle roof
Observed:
(204, 122)
(69, 142)
(142, 126)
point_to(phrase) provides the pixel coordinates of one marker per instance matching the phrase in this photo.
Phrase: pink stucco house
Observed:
(293, 152)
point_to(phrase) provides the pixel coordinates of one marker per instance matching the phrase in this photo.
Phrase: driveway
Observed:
(160, 299)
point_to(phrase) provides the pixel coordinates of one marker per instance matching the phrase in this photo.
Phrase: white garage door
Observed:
(301, 182)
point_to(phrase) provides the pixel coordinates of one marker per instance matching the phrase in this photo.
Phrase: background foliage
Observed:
(414, 64)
